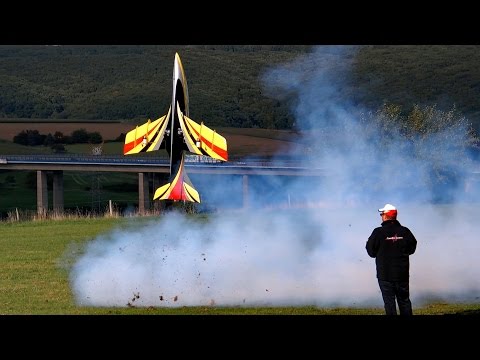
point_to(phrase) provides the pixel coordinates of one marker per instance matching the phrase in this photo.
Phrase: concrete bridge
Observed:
(57, 164)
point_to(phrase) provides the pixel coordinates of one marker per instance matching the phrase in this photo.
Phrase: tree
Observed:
(58, 136)
(49, 140)
(95, 138)
(437, 140)
(21, 138)
(79, 136)
(29, 137)
(58, 148)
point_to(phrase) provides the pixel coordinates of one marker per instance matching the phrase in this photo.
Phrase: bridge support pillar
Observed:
(157, 181)
(143, 194)
(42, 193)
(246, 205)
(58, 206)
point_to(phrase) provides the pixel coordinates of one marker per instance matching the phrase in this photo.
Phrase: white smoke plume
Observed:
(312, 250)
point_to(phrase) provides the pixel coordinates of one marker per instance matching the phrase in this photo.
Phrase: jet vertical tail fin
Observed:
(179, 187)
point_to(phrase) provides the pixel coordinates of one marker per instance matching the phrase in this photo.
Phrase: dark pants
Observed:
(400, 291)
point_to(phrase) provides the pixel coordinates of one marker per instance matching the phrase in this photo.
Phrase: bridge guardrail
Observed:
(120, 159)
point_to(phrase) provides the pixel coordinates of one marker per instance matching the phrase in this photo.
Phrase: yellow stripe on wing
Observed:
(211, 142)
(137, 139)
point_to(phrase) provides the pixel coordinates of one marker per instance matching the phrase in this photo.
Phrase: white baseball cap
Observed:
(387, 207)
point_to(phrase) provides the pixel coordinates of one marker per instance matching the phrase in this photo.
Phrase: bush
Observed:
(58, 148)
(29, 138)
(79, 136)
(95, 138)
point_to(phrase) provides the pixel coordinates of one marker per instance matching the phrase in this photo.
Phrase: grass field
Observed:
(36, 256)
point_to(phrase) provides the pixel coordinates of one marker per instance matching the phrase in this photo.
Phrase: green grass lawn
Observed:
(110, 148)
(36, 256)
(10, 148)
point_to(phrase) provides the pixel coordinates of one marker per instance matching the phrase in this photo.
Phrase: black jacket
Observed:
(390, 245)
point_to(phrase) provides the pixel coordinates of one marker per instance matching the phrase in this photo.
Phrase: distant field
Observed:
(109, 131)
(56, 121)
(241, 142)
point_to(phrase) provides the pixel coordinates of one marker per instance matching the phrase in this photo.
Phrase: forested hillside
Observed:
(445, 75)
(133, 83)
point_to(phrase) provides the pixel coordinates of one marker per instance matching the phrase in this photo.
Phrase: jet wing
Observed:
(202, 140)
(146, 137)
(179, 187)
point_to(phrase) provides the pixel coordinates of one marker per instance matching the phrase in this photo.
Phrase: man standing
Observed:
(391, 245)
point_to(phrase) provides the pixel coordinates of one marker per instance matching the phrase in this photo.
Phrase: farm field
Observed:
(241, 142)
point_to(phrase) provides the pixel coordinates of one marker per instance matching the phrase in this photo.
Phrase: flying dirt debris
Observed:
(177, 133)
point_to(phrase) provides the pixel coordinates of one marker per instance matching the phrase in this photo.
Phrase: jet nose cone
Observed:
(177, 59)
